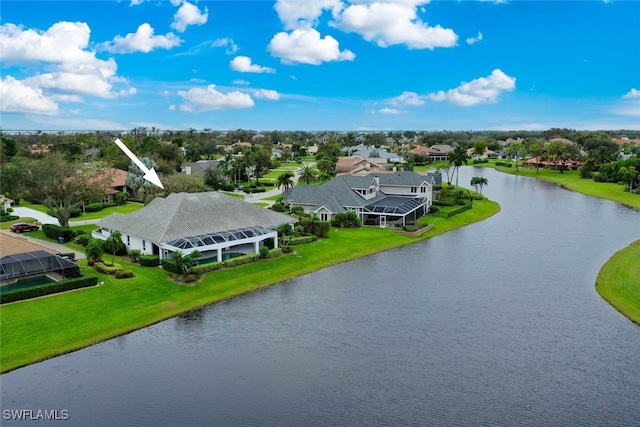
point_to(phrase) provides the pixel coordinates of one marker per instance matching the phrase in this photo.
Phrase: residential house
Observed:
(217, 225)
(5, 202)
(357, 165)
(389, 198)
(199, 167)
(118, 183)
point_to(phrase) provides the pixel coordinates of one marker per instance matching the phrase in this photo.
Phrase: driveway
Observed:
(43, 218)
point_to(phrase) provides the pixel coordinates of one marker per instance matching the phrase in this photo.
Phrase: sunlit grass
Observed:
(618, 281)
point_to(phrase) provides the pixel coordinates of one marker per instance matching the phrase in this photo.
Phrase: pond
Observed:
(496, 323)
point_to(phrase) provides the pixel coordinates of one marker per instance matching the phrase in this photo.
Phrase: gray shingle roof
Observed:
(191, 214)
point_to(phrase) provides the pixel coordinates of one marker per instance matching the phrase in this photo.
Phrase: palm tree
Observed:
(285, 181)
(482, 181)
(185, 262)
(308, 174)
(94, 251)
(457, 157)
(113, 243)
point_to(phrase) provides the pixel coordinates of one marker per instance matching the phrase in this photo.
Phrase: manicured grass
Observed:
(42, 328)
(571, 180)
(618, 281)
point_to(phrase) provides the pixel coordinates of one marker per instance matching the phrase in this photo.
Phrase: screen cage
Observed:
(36, 263)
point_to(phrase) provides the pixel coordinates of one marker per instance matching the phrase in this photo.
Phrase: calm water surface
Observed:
(497, 323)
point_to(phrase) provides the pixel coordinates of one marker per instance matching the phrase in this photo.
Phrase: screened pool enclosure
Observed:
(36, 263)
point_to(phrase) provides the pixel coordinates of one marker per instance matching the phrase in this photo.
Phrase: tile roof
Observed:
(12, 245)
(192, 214)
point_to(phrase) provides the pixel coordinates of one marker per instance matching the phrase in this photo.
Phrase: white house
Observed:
(217, 225)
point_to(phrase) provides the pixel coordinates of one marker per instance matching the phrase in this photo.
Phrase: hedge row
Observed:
(115, 270)
(254, 190)
(505, 164)
(205, 268)
(93, 207)
(4, 218)
(478, 161)
(53, 288)
(457, 211)
(299, 240)
(244, 259)
(149, 260)
(53, 231)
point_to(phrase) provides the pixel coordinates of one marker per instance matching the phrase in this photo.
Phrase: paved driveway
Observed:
(43, 218)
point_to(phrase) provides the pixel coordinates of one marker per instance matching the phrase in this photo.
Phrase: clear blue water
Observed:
(494, 324)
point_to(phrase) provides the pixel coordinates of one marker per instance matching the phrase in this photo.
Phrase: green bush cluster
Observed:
(433, 209)
(505, 164)
(299, 240)
(442, 203)
(228, 187)
(254, 190)
(134, 254)
(4, 218)
(274, 253)
(82, 239)
(318, 228)
(53, 231)
(278, 207)
(244, 259)
(170, 266)
(93, 207)
(149, 260)
(75, 212)
(345, 219)
(124, 274)
(103, 268)
(479, 161)
(66, 285)
(205, 268)
(410, 227)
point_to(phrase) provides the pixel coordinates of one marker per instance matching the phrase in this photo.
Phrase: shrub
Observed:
(505, 164)
(124, 274)
(82, 239)
(103, 268)
(442, 203)
(171, 266)
(410, 227)
(585, 172)
(278, 207)
(52, 288)
(264, 252)
(274, 253)
(478, 161)
(297, 210)
(345, 219)
(4, 218)
(149, 260)
(319, 228)
(299, 240)
(254, 190)
(110, 204)
(93, 207)
(433, 209)
(228, 187)
(244, 259)
(134, 254)
(53, 231)
(205, 268)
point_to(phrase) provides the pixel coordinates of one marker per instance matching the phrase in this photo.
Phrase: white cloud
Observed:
(393, 23)
(243, 64)
(476, 39)
(226, 42)
(17, 97)
(389, 111)
(136, 2)
(70, 67)
(269, 94)
(142, 40)
(303, 14)
(480, 90)
(188, 14)
(633, 93)
(407, 98)
(205, 99)
(241, 82)
(307, 47)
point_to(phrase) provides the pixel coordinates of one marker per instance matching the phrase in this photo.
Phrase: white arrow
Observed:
(149, 174)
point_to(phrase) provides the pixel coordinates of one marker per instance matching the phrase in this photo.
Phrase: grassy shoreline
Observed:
(40, 329)
(618, 281)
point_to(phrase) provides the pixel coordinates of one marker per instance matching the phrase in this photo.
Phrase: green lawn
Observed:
(618, 281)
(42, 328)
(571, 180)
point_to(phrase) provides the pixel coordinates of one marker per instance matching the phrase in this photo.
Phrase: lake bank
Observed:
(618, 281)
(30, 334)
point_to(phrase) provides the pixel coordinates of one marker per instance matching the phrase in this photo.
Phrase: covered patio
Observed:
(394, 211)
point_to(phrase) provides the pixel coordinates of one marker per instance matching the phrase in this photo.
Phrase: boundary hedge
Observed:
(53, 288)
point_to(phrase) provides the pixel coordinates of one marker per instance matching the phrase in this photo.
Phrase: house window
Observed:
(144, 245)
(128, 240)
(423, 189)
(324, 216)
(414, 189)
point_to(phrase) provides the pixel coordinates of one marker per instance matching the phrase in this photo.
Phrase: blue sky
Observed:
(320, 65)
